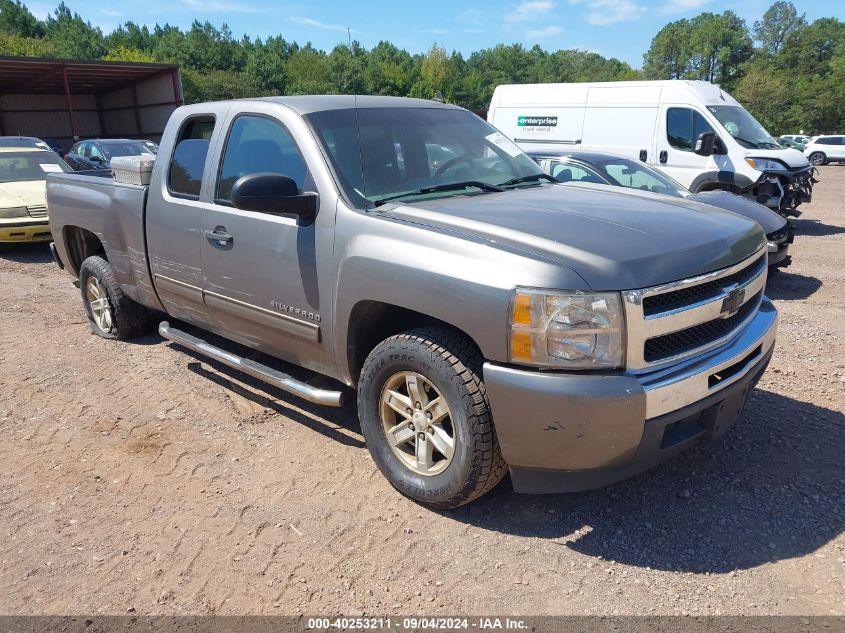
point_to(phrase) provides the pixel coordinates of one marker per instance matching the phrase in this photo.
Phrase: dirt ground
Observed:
(135, 477)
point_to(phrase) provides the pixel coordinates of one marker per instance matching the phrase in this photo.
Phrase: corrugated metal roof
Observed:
(38, 75)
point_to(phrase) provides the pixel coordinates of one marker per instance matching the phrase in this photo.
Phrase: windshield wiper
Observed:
(751, 144)
(531, 178)
(452, 186)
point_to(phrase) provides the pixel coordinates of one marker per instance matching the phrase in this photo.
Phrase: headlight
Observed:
(14, 212)
(567, 330)
(765, 164)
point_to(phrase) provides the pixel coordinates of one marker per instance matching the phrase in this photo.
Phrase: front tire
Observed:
(818, 159)
(113, 315)
(426, 418)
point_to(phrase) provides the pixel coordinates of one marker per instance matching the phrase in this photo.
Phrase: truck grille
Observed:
(38, 211)
(693, 294)
(674, 321)
(677, 343)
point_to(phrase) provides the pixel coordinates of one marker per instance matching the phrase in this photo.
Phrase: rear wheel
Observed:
(818, 158)
(113, 315)
(426, 419)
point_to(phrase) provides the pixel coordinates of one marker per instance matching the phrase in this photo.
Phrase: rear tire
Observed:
(113, 315)
(818, 159)
(423, 371)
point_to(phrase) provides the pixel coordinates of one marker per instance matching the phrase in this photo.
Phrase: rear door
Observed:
(260, 269)
(174, 220)
(836, 149)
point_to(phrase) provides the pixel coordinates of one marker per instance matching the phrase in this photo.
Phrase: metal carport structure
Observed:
(69, 99)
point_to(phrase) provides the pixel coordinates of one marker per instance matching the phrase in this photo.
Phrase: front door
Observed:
(678, 131)
(260, 269)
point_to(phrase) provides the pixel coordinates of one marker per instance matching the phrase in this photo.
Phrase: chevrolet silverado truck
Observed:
(489, 319)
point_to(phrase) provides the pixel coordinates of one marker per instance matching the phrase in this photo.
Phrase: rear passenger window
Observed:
(257, 144)
(184, 178)
(567, 172)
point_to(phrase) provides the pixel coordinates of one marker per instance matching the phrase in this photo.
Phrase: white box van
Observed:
(692, 130)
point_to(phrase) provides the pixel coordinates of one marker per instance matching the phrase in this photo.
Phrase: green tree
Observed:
(130, 36)
(719, 45)
(126, 54)
(16, 19)
(15, 45)
(389, 71)
(170, 45)
(434, 74)
(308, 72)
(809, 50)
(72, 36)
(346, 68)
(266, 64)
(217, 84)
(669, 55)
(768, 93)
(778, 22)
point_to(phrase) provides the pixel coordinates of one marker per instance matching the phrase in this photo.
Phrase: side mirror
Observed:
(96, 159)
(706, 144)
(273, 193)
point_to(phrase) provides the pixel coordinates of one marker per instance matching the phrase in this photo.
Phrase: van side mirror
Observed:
(706, 144)
(273, 193)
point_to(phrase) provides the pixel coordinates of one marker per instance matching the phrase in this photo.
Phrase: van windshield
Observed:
(745, 129)
(418, 153)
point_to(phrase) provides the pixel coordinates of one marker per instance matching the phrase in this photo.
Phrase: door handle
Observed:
(664, 156)
(219, 237)
(643, 155)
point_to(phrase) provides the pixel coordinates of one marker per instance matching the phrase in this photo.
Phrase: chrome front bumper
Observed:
(695, 379)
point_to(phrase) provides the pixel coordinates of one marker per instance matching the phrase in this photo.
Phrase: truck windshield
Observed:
(745, 129)
(28, 166)
(419, 153)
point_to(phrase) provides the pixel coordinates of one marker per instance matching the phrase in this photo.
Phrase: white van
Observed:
(691, 130)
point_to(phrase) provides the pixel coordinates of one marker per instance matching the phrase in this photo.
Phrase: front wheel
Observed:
(818, 159)
(426, 419)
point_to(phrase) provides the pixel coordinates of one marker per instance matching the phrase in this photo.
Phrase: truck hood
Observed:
(791, 156)
(27, 193)
(764, 216)
(613, 240)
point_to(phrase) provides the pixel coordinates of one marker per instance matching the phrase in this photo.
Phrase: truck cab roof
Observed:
(321, 103)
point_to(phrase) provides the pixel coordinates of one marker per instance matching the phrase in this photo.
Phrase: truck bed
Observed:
(114, 212)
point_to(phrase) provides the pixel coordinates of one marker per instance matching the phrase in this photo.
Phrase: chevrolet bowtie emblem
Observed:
(733, 302)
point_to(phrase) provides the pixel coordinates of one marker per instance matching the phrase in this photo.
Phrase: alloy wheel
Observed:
(417, 423)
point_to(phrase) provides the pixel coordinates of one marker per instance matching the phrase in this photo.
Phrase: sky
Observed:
(613, 28)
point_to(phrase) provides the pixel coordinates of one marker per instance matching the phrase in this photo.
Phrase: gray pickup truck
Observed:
(489, 319)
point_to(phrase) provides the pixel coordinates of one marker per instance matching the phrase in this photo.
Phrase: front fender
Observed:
(463, 283)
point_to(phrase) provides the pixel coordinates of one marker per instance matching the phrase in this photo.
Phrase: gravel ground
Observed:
(135, 477)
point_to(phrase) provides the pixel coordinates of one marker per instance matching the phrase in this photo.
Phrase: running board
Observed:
(256, 370)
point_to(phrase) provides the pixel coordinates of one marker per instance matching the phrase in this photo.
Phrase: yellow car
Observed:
(23, 205)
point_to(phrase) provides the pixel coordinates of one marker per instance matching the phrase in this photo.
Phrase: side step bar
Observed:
(256, 370)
